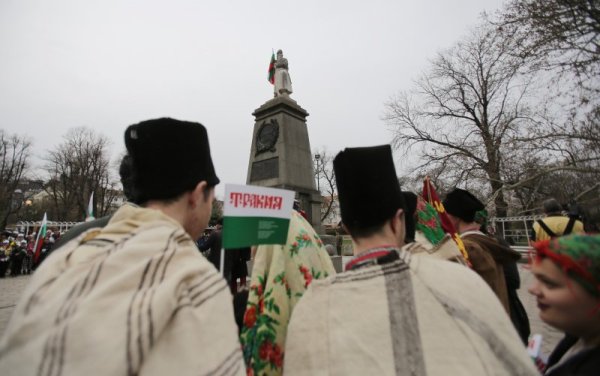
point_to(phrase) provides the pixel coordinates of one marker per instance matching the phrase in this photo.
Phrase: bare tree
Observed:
(561, 37)
(566, 164)
(562, 34)
(325, 178)
(466, 111)
(77, 167)
(559, 40)
(14, 162)
(216, 212)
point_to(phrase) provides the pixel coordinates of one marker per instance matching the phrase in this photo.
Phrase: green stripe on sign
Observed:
(246, 231)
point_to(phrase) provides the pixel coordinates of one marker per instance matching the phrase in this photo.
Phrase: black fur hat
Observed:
(168, 157)
(367, 184)
(410, 202)
(462, 204)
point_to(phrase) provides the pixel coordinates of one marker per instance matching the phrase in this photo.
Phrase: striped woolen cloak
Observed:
(415, 316)
(133, 298)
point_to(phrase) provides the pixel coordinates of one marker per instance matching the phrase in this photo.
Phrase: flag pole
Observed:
(222, 262)
(90, 209)
(428, 182)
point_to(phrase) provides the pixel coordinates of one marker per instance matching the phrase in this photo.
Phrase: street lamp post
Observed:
(28, 204)
(318, 158)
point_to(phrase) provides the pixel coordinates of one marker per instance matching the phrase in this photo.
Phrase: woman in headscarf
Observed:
(280, 276)
(567, 289)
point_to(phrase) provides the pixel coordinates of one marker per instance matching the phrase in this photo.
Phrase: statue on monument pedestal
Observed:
(283, 82)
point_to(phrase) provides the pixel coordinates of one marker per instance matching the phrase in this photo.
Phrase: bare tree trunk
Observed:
(14, 162)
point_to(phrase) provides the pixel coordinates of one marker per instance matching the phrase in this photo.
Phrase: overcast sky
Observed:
(107, 64)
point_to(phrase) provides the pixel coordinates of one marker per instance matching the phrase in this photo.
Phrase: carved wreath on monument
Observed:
(267, 136)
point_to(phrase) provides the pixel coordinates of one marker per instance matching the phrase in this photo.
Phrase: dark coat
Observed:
(239, 256)
(584, 363)
(214, 243)
(488, 258)
(518, 314)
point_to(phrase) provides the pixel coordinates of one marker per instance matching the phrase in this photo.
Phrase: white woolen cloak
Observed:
(133, 298)
(415, 316)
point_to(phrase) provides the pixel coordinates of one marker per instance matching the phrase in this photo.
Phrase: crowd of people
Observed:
(142, 292)
(234, 260)
(17, 252)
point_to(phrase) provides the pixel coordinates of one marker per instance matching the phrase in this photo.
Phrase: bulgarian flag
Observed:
(431, 196)
(37, 247)
(90, 209)
(271, 76)
(256, 215)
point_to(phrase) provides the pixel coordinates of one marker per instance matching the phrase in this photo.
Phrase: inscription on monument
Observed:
(266, 169)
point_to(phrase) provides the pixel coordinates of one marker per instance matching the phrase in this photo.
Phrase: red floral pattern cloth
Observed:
(280, 276)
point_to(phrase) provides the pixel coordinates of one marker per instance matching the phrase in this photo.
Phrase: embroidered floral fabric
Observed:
(280, 275)
(428, 221)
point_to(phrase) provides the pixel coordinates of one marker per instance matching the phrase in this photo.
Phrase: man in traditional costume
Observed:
(486, 254)
(135, 297)
(425, 235)
(390, 313)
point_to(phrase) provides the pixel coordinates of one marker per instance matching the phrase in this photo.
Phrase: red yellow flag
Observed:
(431, 196)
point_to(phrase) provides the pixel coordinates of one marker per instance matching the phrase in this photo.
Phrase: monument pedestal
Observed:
(280, 156)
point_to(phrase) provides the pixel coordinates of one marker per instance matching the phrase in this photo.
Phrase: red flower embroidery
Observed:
(250, 317)
(307, 279)
(276, 356)
(271, 353)
(307, 276)
(259, 289)
(265, 350)
(261, 305)
(431, 223)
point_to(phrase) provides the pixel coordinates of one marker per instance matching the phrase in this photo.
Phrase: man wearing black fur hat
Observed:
(390, 313)
(142, 274)
(486, 254)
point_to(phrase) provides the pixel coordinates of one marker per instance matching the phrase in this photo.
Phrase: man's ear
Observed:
(345, 228)
(398, 221)
(196, 196)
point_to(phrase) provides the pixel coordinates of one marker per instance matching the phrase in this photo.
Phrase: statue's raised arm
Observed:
(283, 82)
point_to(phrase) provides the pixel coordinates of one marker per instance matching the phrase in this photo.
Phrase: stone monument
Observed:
(280, 156)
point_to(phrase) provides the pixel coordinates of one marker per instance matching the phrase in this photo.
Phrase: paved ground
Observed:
(10, 291)
(11, 288)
